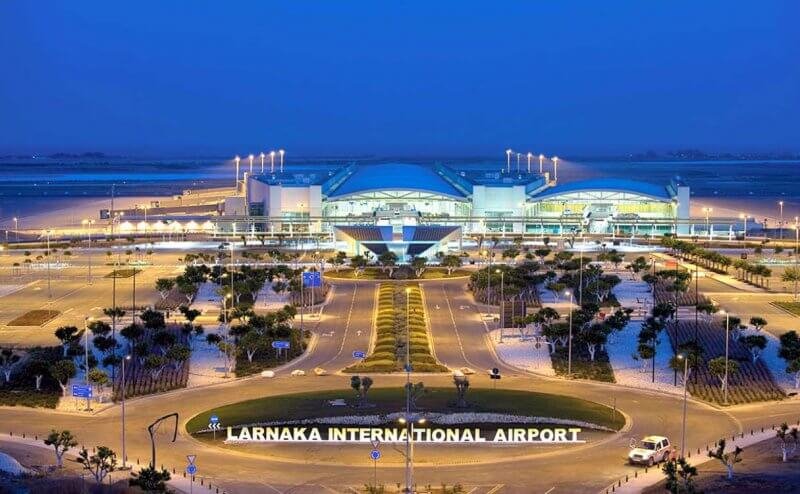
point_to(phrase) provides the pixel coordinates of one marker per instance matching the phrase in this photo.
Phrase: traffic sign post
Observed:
(495, 376)
(375, 454)
(191, 469)
(214, 425)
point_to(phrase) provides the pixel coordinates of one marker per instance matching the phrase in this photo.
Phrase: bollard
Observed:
(626, 478)
(23, 435)
(137, 461)
(36, 437)
(751, 432)
(620, 482)
(762, 429)
(184, 474)
(201, 480)
(690, 454)
(613, 488)
(173, 470)
(636, 474)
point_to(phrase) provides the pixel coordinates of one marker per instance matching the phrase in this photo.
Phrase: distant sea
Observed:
(31, 186)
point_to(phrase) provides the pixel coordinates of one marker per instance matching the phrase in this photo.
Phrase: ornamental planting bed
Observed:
(400, 309)
(35, 318)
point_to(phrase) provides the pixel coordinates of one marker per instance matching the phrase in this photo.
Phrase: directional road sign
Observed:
(357, 354)
(280, 345)
(214, 419)
(312, 279)
(81, 391)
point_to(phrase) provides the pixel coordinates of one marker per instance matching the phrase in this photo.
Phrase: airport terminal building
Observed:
(415, 209)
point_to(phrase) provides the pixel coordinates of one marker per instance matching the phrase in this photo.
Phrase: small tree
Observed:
(418, 264)
(358, 263)
(717, 368)
(728, 459)
(451, 262)
(37, 368)
(8, 359)
(150, 480)
(62, 371)
(790, 352)
(61, 441)
(99, 464)
(791, 275)
(251, 343)
(787, 439)
(67, 335)
(98, 378)
(164, 286)
(758, 323)
(680, 476)
(155, 364)
(388, 261)
(756, 343)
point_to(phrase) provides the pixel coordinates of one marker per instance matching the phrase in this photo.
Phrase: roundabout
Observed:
(334, 427)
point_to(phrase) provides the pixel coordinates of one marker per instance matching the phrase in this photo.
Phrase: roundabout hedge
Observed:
(383, 401)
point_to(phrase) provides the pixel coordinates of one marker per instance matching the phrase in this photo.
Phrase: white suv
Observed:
(651, 450)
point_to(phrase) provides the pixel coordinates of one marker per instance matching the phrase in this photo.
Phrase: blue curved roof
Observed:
(654, 191)
(394, 176)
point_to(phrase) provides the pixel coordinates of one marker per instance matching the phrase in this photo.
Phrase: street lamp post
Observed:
(262, 156)
(555, 168)
(780, 226)
(541, 164)
(251, 163)
(502, 319)
(508, 160)
(518, 155)
(236, 183)
(16, 228)
(272, 161)
(122, 390)
(281, 152)
(530, 155)
(685, 359)
(86, 358)
(727, 344)
(708, 226)
(569, 340)
(744, 233)
(49, 291)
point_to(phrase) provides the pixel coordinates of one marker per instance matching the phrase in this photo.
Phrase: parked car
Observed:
(651, 450)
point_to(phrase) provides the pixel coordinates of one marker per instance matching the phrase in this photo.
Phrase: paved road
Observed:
(459, 339)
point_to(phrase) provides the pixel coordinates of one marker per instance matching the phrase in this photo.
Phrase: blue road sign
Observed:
(358, 354)
(214, 419)
(191, 469)
(282, 345)
(375, 455)
(81, 391)
(312, 279)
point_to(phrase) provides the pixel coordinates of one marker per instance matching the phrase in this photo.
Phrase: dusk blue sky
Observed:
(398, 78)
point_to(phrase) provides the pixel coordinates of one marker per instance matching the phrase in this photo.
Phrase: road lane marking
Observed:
(455, 328)
(548, 491)
(495, 489)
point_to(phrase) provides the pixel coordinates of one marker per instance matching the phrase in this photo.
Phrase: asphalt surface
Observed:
(459, 340)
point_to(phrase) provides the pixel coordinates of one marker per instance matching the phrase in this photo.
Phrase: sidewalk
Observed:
(654, 475)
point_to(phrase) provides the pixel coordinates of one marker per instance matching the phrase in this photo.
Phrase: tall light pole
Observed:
(272, 161)
(409, 421)
(569, 341)
(89, 234)
(708, 227)
(685, 359)
(518, 155)
(281, 152)
(780, 203)
(727, 340)
(236, 183)
(489, 283)
(555, 168)
(530, 155)
(16, 228)
(262, 156)
(49, 291)
(502, 319)
(796, 248)
(541, 164)
(122, 389)
(86, 358)
(508, 160)
(744, 233)
(251, 163)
